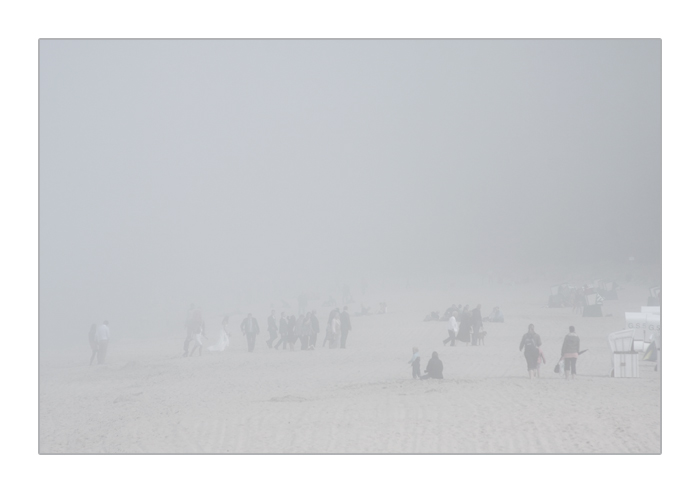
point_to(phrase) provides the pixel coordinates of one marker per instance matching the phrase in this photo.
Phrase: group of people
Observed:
(531, 344)
(432, 370)
(284, 332)
(305, 328)
(465, 325)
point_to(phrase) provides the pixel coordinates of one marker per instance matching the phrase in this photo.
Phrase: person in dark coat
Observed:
(569, 352)
(305, 332)
(345, 326)
(531, 342)
(433, 368)
(250, 329)
(465, 326)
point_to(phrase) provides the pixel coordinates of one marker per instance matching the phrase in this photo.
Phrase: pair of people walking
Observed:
(570, 351)
(432, 370)
(338, 325)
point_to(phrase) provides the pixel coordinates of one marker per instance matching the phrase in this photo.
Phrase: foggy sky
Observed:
(185, 168)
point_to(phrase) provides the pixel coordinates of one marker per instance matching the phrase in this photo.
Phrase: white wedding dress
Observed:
(221, 344)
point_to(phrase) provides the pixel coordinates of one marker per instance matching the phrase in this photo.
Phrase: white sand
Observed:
(361, 399)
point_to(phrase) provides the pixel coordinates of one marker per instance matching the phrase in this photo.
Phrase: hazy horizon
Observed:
(183, 171)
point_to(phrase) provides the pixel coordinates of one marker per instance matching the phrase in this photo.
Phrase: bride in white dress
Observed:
(222, 343)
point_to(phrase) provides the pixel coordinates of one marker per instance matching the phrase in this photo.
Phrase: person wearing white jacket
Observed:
(335, 331)
(102, 340)
(452, 327)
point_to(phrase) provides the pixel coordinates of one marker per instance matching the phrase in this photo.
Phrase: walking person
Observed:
(452, 328)
(305, 332)
(345, 327)
(250, 329)
(271, 328)
(334, 332)
(315, 329)
(531, 342)
(93, 342)
(102, 337)
(434, 368)
(199, 336)
(464, 326)
(284, 332)
(329, 331)
(292, 332)
(569, 352)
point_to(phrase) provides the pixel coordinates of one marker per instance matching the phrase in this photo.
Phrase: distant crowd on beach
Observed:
(285, 332)
(463, 325)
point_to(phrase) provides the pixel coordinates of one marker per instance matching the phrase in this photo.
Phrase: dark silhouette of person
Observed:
(434, 367)
(569, 352)
(305, 331)
(250, 329)
(345, 326)
(531, 342)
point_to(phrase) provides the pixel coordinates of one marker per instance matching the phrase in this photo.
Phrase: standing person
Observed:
(93, 342)
(329, 329)
(331, 315)
(284, 332)
(465, 325)
(305, 331)
(531, 342)
(477, 324)
(434, 367)
(292, 331)
(415, 363)
(451, 330)
(569, 352)
(250, 329)
(102, 339)
(315, 329)
(345, 326)
(199, 335)
(271, 328)
(334, 332)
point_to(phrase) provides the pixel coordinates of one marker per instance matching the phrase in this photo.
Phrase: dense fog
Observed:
(233, 174)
